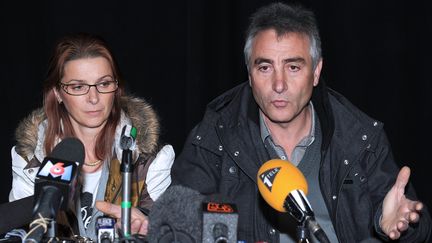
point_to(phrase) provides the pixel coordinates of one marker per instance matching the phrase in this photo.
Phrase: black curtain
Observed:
(179, 55)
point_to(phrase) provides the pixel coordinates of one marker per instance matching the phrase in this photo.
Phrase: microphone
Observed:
(16, 214)
(55, 185)
(283, 187)
(220, 220)
(176, 216)
(127, 142)
(105, 227)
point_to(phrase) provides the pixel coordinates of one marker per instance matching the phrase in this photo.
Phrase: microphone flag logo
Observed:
(268, 176)
(57, 170)
(214, 207)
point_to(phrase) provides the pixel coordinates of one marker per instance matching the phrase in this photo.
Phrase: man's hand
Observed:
(139, 222)
(398, 211)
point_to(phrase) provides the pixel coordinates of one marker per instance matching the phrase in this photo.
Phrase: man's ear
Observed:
(317, 72)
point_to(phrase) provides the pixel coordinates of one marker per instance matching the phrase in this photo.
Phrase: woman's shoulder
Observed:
(144, 118)
(27, 133)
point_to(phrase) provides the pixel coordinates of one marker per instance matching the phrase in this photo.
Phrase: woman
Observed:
(84, 97)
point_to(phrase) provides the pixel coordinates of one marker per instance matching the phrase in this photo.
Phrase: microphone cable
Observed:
(39, 224)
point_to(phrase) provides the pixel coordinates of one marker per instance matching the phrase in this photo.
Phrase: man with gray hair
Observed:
(355, 187)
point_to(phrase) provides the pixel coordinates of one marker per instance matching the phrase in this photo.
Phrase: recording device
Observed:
(220, 221)
(127, 143)
(105, 228)
(176, 216)
(55, 184)
(283, 187)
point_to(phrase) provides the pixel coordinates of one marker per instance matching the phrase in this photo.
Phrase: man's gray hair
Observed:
(284, 19)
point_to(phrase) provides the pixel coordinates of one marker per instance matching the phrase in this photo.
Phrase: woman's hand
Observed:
(139, 222)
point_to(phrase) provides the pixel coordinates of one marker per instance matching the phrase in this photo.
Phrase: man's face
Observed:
(281, 75)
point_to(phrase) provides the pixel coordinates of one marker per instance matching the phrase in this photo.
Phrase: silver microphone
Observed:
(127, 143)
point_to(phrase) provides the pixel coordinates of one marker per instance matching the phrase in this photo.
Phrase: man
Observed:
(285, 112)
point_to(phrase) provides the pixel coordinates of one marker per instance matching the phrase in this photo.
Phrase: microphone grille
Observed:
(128, 137)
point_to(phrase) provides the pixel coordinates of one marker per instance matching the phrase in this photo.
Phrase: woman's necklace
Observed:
(94, 163)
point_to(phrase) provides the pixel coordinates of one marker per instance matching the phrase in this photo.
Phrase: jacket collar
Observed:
(322, 107)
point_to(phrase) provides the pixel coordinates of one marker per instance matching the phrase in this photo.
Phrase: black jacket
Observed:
(224, 152)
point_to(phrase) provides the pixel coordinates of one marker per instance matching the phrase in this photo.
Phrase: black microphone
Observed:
(220, 219)
(16, 214)
(176, 216)
(127, 143)
(55, 184)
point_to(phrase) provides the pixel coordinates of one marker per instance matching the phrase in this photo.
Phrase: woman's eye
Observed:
(104, 84)
(77, 86)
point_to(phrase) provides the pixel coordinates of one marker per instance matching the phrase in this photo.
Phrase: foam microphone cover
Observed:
(177, 209)
(71, 149)
(276, 179)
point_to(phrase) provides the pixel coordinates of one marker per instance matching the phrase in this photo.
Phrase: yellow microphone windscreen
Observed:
(276, 179)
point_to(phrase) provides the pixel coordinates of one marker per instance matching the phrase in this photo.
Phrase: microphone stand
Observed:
(127, 142)
(126, 169)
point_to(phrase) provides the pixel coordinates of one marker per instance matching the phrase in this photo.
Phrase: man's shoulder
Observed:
(225, 99)
(349, 119)
(344, 108)
(222, 107)
(224, 103)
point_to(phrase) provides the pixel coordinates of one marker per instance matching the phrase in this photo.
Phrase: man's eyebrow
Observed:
(295, 59)
(260, 60)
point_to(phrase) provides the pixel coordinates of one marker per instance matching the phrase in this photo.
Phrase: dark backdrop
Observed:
(181, 54)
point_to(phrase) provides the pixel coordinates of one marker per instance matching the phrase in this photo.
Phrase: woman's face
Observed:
(90, 110)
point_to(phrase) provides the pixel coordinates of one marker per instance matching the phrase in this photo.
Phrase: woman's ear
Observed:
(57, 95)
